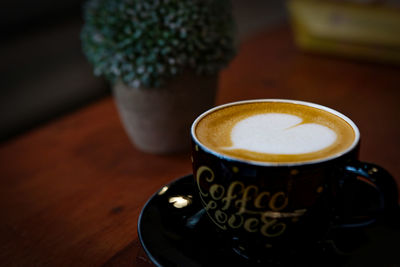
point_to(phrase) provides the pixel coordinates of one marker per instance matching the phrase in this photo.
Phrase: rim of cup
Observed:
(288, 164)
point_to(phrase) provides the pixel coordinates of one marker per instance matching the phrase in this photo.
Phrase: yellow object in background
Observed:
(370, 31)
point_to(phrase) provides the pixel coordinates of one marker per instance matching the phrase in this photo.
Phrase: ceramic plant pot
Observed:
(158, 120)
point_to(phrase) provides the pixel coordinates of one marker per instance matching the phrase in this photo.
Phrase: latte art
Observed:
(275, 132)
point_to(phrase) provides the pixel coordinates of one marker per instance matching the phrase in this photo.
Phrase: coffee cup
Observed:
(271, 173)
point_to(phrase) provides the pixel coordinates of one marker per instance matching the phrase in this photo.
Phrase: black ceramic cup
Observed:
(269, 209)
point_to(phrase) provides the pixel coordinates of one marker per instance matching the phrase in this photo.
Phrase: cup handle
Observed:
(380, 179)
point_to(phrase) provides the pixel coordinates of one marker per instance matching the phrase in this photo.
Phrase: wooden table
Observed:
(72, 190)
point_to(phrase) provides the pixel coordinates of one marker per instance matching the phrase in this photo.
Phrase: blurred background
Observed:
(43, 72)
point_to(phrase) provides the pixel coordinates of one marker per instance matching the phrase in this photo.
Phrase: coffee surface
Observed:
(276, 132)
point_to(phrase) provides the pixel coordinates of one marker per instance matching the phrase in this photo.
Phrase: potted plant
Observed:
(162, 58)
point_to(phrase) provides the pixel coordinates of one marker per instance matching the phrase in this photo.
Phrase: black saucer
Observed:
(174, 231)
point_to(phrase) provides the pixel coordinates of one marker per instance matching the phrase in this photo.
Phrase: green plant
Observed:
(143, 43)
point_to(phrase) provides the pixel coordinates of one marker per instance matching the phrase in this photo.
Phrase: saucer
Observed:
(174, 230)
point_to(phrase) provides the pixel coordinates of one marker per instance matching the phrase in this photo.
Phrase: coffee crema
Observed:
(274, 132)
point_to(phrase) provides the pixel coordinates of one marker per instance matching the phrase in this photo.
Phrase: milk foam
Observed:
(279, 133)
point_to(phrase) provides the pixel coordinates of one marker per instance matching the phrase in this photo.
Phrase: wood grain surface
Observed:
(71, 191)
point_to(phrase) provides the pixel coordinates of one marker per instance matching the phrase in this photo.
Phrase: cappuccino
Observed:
(275, 131)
